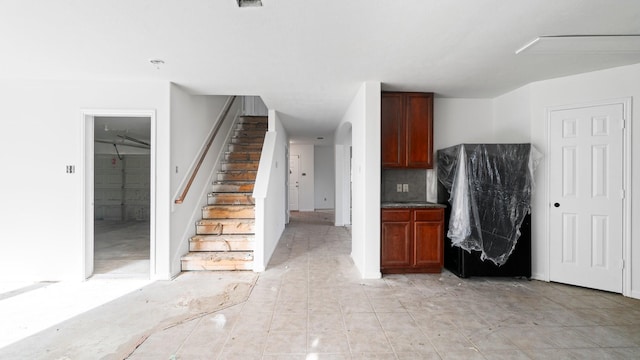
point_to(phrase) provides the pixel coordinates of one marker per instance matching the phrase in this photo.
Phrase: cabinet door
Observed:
(393, 133)
(428, 237)
(419, 130)
(396, 249)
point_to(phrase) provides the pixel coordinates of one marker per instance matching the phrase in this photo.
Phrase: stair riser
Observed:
(242, 156)
(230, 199)
(249, 133)
(240, 166)
(249, 140)
(233, 188)
(221, 245)
(229, 212)
(223, 176)
(226, 265)
(260, 122)
(252, 126)
(243, 147)
(211, 227)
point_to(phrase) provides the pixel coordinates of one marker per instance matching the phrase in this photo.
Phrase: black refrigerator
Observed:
(487, 190)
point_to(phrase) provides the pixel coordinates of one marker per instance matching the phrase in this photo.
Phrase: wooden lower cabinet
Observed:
(412, 240)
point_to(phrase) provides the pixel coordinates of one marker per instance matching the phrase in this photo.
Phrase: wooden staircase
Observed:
(225, 236)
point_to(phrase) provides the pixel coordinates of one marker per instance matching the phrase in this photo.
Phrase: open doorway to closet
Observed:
(121, 197)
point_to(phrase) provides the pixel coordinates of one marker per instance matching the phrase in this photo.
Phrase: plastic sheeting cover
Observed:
(490, 189)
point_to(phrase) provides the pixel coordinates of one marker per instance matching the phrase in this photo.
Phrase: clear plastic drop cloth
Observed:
(489, 188)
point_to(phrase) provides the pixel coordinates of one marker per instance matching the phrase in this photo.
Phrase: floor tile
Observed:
(328, 342)
(368, 341)
(286, 342)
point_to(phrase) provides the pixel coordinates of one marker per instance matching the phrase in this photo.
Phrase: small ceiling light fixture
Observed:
(320, 138)
(249, 3)
(156, 63)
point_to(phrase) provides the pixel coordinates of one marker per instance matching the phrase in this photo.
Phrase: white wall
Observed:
(324, 180)
(512, 116)
(193, 118)
(41, 220)
(270, 192)
(537, 97)
(306, 180)
(364, 116)
(457, 121)
(342, 151)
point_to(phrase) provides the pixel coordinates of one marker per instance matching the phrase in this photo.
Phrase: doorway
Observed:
(588, 163)
(119, 183)
(294, 181)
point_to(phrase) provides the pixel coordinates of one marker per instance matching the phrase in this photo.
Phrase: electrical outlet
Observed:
(398, 187)
(405, 187)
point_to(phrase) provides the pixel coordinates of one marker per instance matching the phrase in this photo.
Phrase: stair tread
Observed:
(221, 254)
(233, 182)
(211, 261)
(228, 205)
(225, 221)
(236, 171)
(222, 243)
(227, 237)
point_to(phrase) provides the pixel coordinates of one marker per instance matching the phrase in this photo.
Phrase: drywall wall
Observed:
(512, 116)
(306, 179)
(324, 181)
(53, 236)
(364, 116)
(458, 121)
(342, 152)
(270, 192)
(579, 89)
(193, 118)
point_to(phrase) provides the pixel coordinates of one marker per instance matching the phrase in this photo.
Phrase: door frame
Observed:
(87, 162)
(626, 184)
(289, 182)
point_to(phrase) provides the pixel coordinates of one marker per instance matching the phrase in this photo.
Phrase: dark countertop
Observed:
(410, 204)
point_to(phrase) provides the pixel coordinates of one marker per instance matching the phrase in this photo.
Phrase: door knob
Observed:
(556, 204)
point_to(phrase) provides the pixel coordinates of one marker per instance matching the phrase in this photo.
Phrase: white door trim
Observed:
(626, 176)
(87, 170)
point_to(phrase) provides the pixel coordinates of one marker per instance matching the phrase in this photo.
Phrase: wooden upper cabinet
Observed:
(392, 112)
(407, 130)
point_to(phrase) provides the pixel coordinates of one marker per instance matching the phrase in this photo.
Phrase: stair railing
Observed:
(205, 150)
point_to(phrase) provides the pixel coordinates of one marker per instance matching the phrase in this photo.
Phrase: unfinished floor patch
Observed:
(116, 329)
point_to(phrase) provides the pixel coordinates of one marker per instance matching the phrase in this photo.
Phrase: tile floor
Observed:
(311, 304)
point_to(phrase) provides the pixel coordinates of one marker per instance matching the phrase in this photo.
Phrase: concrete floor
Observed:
(121, 249)
(311, 304)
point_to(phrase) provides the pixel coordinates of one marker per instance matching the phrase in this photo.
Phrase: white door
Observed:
(585, 191)
(294, 173)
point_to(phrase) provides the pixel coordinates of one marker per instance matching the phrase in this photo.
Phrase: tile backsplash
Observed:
(421, 185)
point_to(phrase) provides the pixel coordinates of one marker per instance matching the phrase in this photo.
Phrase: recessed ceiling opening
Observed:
(586, 44)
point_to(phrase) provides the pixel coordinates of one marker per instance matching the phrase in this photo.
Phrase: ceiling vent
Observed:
(249, 3)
